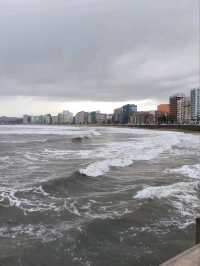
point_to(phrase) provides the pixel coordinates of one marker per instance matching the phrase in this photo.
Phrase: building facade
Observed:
(65, 117)
(180, 110)
(187, 111)
(54, 120)
(81, 118)
(142, 118)
(117, 114)
(26, 119)
(195, 105)
(127, 110)
(92, 117)
(161, 117)
(163, 108)
(101, 118)
(175, 107)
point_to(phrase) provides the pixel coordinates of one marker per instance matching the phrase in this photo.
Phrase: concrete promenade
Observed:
(190, 257)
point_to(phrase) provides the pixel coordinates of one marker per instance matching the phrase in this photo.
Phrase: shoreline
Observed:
(169, 127)
(176, 128)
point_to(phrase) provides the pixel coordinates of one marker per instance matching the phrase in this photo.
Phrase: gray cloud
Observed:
(98, 49)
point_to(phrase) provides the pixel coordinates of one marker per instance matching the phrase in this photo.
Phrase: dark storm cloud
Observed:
(98, 49)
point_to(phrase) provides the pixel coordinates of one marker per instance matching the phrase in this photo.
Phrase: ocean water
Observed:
(101, 196)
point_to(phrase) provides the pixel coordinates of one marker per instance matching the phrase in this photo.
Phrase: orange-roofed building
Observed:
(163, 108)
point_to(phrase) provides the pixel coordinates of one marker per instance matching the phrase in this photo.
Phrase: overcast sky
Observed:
(95, 54)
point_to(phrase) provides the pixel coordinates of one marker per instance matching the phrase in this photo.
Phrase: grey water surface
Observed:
(101, 196)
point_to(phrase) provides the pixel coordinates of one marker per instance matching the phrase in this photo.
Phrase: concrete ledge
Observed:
(190, 257)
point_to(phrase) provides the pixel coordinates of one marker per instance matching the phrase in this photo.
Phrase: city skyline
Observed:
(180, 109)
(95, 53)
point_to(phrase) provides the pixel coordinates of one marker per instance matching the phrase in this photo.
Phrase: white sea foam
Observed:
(39, 231)
(101, 167)
(70, 205)
(192, 171)
(10, 197)
(182, 195)
(49, 130)
(159, 192)
(146, 147)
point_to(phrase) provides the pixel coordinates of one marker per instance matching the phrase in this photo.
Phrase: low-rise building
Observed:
(142, 118)
(36, 119)
(26, 119)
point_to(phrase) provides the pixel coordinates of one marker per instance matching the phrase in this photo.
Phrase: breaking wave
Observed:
(49, 130)
(192, 171)
(183, 196)
(122, 154)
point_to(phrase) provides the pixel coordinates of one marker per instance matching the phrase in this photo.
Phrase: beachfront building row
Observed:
(65, 117)
(183, 109)
(95, 117)
(180, 110)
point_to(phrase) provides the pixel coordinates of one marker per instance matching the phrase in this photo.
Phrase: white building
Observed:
(65, 117)
(81, 118)
(180, 110)
(101, 118)
(195, 104)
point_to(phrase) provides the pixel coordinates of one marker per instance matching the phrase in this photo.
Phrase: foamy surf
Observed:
(183, 196)
(122, 154)
(49, 130)
(191, 171)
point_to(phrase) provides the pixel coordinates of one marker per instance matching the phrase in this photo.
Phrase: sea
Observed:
(96, 196)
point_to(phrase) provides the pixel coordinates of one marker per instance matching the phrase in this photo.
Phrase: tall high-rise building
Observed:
(180, 110)
(175, 107)
(187, 110)
(195, 104)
